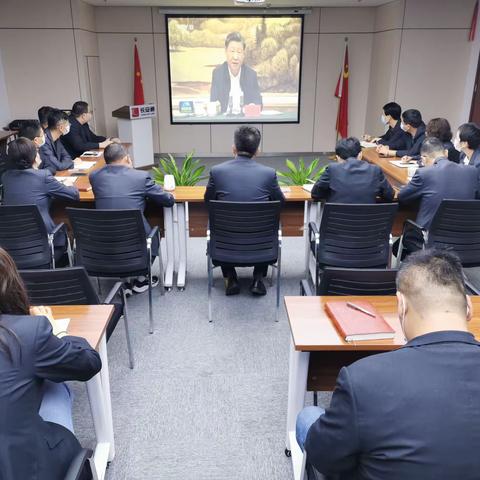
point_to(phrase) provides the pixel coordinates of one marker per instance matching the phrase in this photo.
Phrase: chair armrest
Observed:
(116, 289)
(305, 287)
(57, 229)
(152, 233)
(411, 225)
(78, 463)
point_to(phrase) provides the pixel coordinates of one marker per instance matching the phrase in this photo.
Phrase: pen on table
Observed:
(360, 309)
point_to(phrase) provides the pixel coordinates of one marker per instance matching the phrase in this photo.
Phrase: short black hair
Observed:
(30, 129)
(470, 133)
(412, 117)
(21, 154)
(43, 113)
(55, 117)
(235, 37)
(429, 268)
(432, 146)
(247, 139)
(393, 109)
(114, 152)
(348, 148)
(439, 128)
(79, 108)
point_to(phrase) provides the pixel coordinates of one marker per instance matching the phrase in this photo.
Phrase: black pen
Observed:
(360, 309)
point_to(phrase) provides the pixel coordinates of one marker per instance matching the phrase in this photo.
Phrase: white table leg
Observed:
(182, 244)
(98, 389)
(170, 248)
(297, 386)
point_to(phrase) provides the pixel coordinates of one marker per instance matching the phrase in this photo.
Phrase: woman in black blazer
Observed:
(440, 128)
(31, 357)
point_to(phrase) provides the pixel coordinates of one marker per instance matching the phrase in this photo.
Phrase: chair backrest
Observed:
(24, 236)
(355, 236)
(357, 281)
(63, 286)
(109, 243)
(456, 226)
(244, 233)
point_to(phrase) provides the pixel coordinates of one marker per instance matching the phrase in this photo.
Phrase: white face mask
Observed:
(384, 119)
(41, 142)
(403, 127)
(66, 130)
(456, 144)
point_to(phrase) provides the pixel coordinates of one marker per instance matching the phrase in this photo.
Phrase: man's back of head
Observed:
(348, 148)
(115, 153)
(246, 141)
(432, 149)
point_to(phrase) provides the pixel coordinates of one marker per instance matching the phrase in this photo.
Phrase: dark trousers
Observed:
(259, 271)
(412, 241)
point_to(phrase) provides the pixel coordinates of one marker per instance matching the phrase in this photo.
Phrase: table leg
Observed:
(182, 244)
(169, 234)
(297, 386)
(98, 389)
(306, 220)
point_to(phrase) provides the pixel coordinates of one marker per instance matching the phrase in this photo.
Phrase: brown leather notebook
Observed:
(358, 320)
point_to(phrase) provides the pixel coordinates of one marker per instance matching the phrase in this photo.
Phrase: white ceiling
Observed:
(230, 3)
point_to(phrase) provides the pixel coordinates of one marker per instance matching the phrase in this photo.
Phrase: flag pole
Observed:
(343, 65)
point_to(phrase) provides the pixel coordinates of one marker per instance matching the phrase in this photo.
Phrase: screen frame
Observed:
(228, 15)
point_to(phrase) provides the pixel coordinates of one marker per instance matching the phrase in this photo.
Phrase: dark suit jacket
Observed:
(396, 138)
(444, 180)
(220, 89)
(408, 414)
(80, 138)
(352, 181)
(53, 154)
(474, 160)
(37, 187)
(30, 448)
(121, 187)
(243, 180)
(453, 153)
(414, 149)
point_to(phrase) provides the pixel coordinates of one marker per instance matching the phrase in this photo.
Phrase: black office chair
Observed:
(24, 236)
(82, 467)
(243, 234)
(113, 244)
(72, 286)
(351, 236)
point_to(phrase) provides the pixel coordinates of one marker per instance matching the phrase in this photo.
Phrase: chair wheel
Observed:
(168, 289)
(181, 289)
(288, 453)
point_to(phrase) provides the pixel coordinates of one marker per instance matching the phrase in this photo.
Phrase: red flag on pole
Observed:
(341, 92)
(473, 25)
(138, 98)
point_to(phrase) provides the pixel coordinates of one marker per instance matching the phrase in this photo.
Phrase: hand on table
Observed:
(42, 311)
(406, 159)
(383, 150)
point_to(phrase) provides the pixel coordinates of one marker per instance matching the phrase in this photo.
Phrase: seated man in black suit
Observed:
(80, 138)
(440, 179)
(351, 180)
(412, 123)
(52, 152)
(244, 180)
(411, 413)
(234, 84)
(467, 142)
(119, 185)
(394, 137)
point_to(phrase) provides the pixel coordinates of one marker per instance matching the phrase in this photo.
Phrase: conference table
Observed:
(318, 352)
(90, 322)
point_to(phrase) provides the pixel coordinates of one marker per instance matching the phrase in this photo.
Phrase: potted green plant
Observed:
(188, 174)
(299, 173)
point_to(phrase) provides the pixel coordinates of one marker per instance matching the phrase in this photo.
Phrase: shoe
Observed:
(140, 286)
(232, 287)
(258, 287)
(127, 288)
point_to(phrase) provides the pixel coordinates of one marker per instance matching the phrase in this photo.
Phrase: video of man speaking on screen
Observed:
(234, 69)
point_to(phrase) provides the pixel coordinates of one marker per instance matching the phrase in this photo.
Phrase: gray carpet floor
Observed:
(205, 401)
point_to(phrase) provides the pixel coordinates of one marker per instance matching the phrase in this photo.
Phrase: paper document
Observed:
(308, 187)
(365, 144)
(91, 153)
(400, 164)
(83, 165)
(59, 325)
(68, 181)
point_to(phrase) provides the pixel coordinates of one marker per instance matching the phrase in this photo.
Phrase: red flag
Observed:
(138, 98)
(473, 25)
(341, 92)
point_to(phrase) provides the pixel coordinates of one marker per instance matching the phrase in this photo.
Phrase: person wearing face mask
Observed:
(25, 184)
(53, 154)
(394, 137)
(43, 113)
(467, 142)
(413, 125)
(80, 138)
(410, 413)
(32, 130)
(351, 180)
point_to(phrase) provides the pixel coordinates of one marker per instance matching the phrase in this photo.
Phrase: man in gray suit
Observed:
(119, 185)
(244, 180)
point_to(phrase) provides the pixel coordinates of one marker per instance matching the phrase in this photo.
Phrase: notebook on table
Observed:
(358, 320)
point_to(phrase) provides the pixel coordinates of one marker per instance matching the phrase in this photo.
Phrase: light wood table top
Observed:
(312, 330)
(87, 321)
(400, 175)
